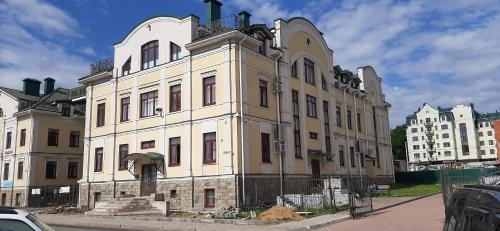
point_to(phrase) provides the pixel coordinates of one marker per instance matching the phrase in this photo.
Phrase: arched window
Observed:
(126, 67)
(149, 55)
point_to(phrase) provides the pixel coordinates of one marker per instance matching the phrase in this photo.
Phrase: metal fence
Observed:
(52, 196)
(329, 194)
(452, 179)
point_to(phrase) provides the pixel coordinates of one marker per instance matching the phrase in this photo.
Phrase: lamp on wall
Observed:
(159, 110)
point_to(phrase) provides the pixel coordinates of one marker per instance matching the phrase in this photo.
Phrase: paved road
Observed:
(424, 214)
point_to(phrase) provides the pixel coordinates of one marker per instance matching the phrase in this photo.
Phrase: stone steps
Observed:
(118, 206)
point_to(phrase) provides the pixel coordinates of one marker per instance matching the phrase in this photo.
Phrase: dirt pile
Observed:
(277, 213)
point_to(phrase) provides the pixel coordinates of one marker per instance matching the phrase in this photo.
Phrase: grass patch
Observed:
(412, 190)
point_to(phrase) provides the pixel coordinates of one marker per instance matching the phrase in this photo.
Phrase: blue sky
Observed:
(441, 52)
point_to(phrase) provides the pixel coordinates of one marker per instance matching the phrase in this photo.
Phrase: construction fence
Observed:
(309, 193)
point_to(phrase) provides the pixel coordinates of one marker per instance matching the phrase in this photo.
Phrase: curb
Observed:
(323, 224)
(116, 227)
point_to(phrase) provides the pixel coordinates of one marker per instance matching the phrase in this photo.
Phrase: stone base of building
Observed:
(186, 194)
(189, 194)
(13, 198)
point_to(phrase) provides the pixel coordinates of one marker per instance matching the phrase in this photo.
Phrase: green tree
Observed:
(398, 139)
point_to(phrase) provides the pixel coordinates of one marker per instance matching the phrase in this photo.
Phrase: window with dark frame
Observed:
(309, 71)
(126, 67)
(74, 139)
(326, 124)
(173, 194)
(66, 110)
(209, 91)
(20, 170)
(53, 137)
(147, 144)
(123, 149)
(209, 148)
(101, 113)
(175, 151)
(313, 135)
(294, 70)
(265, 147)
(8, 141)
(263, 93)
(149, 55)
(349, 119)
(209, 198)
(296, 124)
(175, 98)
(175, 52)
(6, 169)
(324, 84)
(311, 106)
(72, 169)
(51, 169)
(98, 159)
(22, 140)
(338, 116)
(149, 103)
(352, 156)
(358, 121)
(341, 156)
(125, 109)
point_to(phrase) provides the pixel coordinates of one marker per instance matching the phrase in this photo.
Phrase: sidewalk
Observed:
(159, 223)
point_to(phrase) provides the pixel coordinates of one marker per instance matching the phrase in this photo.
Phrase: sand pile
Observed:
(278, 213)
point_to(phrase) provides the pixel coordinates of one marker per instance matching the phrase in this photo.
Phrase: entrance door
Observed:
(316, 172)
(148, 179)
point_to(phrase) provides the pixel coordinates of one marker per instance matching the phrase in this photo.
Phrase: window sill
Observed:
(267, 162)
(174, 165)
(299, 157)
(149, 117)
(210, 163)
(211, 104)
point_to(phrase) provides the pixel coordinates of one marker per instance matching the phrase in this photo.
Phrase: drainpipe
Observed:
(191, 127)
(366, 127)
(242, 136)
(231, 109)
(89, 143)
(278, 106)
(114, 136)
(3, 149)
(357, 135)
(347, 132)
(14, 165)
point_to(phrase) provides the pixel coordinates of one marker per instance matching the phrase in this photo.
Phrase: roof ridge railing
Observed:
(102, 66)
(228, 23)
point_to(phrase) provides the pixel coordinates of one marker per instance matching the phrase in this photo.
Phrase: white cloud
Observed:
(438, 52)
(40, 15)
(24, 53)
(89, 51)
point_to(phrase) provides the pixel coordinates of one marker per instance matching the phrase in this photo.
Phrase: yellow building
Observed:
(199, 113)
(41, 142)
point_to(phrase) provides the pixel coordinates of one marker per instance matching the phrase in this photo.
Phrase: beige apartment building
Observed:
(200, 112)
(41, 141)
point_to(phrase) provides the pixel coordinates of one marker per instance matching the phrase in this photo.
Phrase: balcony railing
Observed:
(231, 22)
(428, 123)
(102, 66)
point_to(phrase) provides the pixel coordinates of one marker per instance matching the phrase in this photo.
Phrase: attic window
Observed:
(308, 40)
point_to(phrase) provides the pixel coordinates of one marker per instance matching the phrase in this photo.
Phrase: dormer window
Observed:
(149, 54)
(175, 52)
(66, 110)
(126, 67)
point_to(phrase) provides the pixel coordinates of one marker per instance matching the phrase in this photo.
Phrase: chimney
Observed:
(244, 19)
(31, 87)
(48, 85)
(213, 10)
